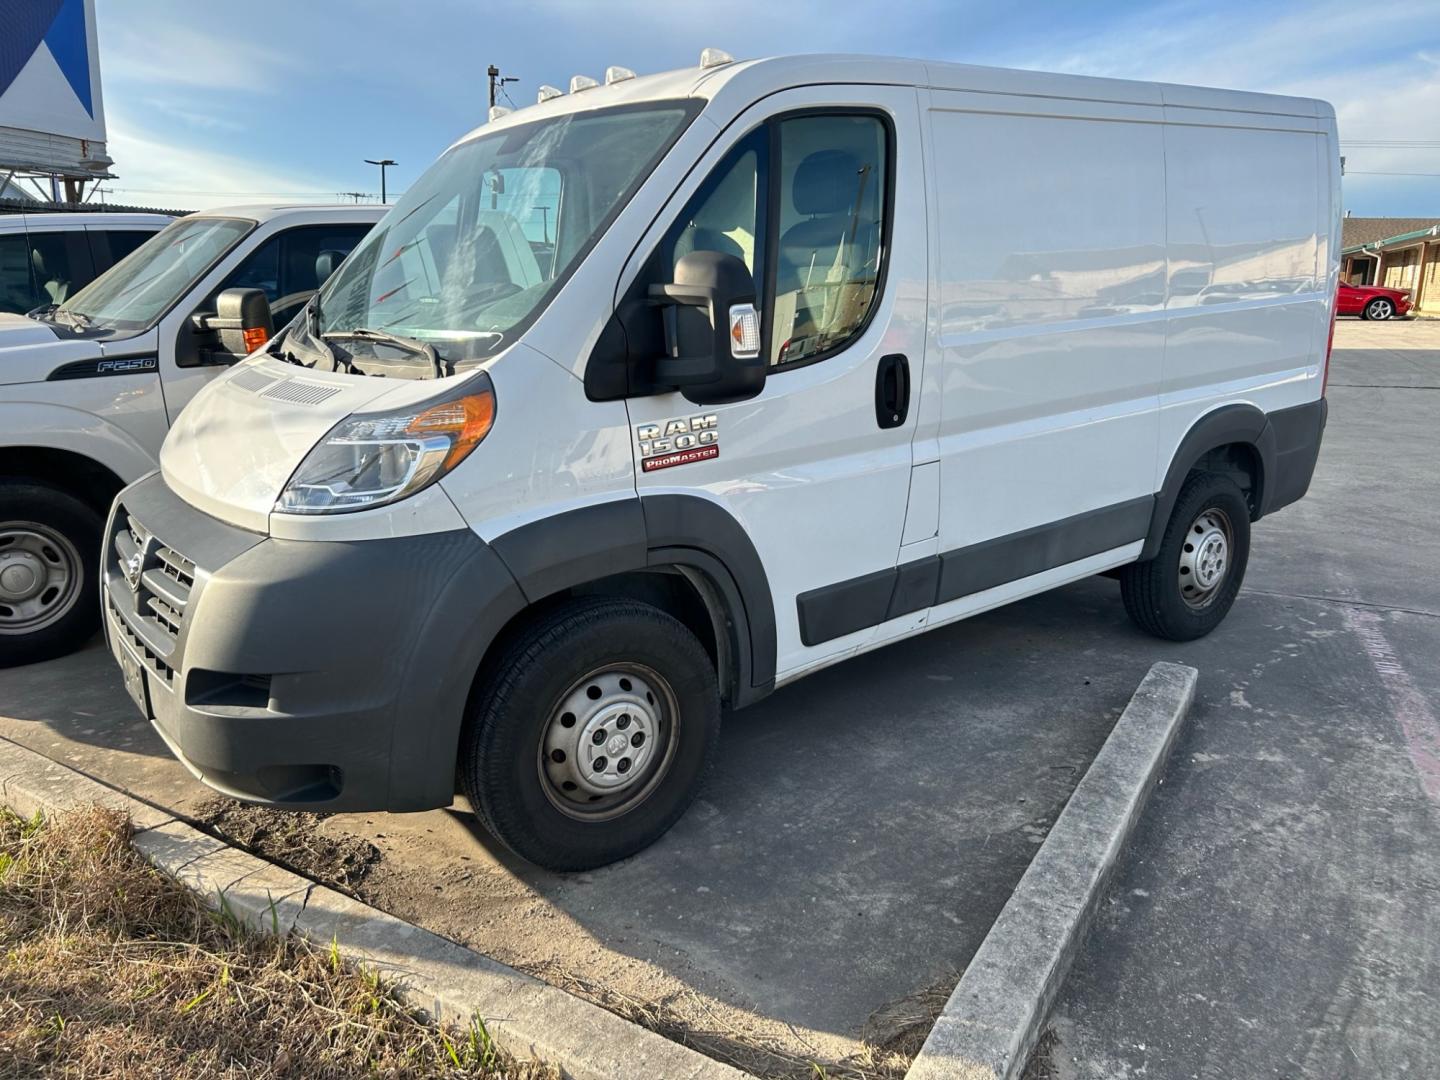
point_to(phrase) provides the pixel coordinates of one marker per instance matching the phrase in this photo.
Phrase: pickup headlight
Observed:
(377, 458)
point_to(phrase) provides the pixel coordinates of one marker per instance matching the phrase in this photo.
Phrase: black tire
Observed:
(1379, 308)
(545, 666)
(29, 510)
(1152, 590)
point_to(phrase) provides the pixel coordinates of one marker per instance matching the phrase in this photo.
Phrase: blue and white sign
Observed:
(50, 70)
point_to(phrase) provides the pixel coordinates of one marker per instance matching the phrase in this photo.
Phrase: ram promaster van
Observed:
(659, 394)
(90, 384)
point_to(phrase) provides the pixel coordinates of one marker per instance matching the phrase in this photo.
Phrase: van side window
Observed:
(727, 214)
(811, 230)
(831, 232)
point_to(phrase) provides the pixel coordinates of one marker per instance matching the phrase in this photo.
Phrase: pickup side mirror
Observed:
(241, 319)
(712, 330)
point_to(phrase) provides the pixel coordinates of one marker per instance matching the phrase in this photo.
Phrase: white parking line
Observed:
(1417, 720)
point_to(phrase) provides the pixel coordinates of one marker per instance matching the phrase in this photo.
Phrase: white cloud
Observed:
(156, 171)
(155, 53)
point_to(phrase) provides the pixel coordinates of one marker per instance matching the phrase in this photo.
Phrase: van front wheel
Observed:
(1188, 587)
(591, 738)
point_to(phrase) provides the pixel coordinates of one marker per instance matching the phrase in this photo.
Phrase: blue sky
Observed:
(217, 103)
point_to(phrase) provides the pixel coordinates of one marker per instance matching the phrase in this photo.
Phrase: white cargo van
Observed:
(660, 394)
(89, 386)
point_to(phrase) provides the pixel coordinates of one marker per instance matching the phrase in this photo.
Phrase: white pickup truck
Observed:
(89, 387)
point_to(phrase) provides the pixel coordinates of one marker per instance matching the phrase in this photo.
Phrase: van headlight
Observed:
(377, 458)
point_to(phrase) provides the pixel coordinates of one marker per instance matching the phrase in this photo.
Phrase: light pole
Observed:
(384, 163)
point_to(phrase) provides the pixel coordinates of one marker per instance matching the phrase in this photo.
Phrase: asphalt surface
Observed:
(1277, 916)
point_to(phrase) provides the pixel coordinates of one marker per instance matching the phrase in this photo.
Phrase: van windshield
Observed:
(141, 287)
(477, 247)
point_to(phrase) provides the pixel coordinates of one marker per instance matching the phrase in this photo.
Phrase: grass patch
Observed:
(111, 969)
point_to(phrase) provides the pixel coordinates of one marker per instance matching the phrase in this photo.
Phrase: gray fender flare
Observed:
(1228, 424)
(592, 542)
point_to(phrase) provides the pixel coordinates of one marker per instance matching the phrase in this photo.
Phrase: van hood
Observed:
(240, 439)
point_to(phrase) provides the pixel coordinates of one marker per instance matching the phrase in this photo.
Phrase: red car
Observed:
(1372, 302)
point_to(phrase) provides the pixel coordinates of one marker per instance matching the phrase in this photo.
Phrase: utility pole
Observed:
(384, 164)
(356, 195)
(498, 81)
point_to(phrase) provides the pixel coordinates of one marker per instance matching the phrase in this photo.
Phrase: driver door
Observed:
(814, 469)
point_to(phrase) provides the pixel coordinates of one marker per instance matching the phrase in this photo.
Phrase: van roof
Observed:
(263, 212)
(750, 80)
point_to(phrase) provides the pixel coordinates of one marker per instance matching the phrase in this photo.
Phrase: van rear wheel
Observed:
(1189, 586)
(591, 739)
(49, 562)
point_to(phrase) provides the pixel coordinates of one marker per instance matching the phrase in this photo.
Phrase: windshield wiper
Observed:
(76, 320)
(384, 337)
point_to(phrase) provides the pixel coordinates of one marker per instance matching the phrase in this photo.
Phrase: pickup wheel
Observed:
(592, 736)
(1187, 589)
(49, 562)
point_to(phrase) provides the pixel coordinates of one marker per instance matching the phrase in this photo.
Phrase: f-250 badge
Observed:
(678, 442)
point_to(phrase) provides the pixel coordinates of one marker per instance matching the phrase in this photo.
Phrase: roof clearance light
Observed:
(715, 58)
(615, 73)
(581, 82)
(548, 92)
(497, 111)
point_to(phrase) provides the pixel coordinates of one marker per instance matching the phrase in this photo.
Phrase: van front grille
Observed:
(153, 582)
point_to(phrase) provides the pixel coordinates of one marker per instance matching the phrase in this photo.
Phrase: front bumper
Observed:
(329, 675)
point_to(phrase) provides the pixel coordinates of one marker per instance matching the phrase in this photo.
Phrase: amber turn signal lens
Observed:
(254, 337)
(465, 420)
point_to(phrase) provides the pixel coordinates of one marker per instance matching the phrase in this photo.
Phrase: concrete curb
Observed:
(453, 984)
(996, 1013)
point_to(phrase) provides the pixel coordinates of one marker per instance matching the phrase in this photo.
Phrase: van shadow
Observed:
(80, 698)
(863, 827)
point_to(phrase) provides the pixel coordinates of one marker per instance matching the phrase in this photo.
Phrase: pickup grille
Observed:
(153, 582)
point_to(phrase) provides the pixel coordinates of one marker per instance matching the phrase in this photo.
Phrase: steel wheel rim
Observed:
(40, 576)
(1205, 558)
(608, 741)
(1380, 309)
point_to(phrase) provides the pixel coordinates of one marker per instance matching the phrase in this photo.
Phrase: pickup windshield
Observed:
(477, 247)
(141, 287)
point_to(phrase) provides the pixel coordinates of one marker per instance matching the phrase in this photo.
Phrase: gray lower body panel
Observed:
(328, 675)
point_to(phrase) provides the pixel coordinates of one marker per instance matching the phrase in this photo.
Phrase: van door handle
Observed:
(892, 390)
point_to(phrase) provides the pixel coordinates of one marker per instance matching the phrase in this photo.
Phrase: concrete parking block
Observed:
(995, 1014)
(453, 984)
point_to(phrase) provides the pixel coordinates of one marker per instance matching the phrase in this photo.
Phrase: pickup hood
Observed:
(20, 330)
(234, 447)
(30, 350)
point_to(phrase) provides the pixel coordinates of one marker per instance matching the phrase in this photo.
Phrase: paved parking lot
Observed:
(865, 826)
(1277, 914)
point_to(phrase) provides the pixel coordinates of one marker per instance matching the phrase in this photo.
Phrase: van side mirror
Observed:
(712, 330)
(242, 319)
